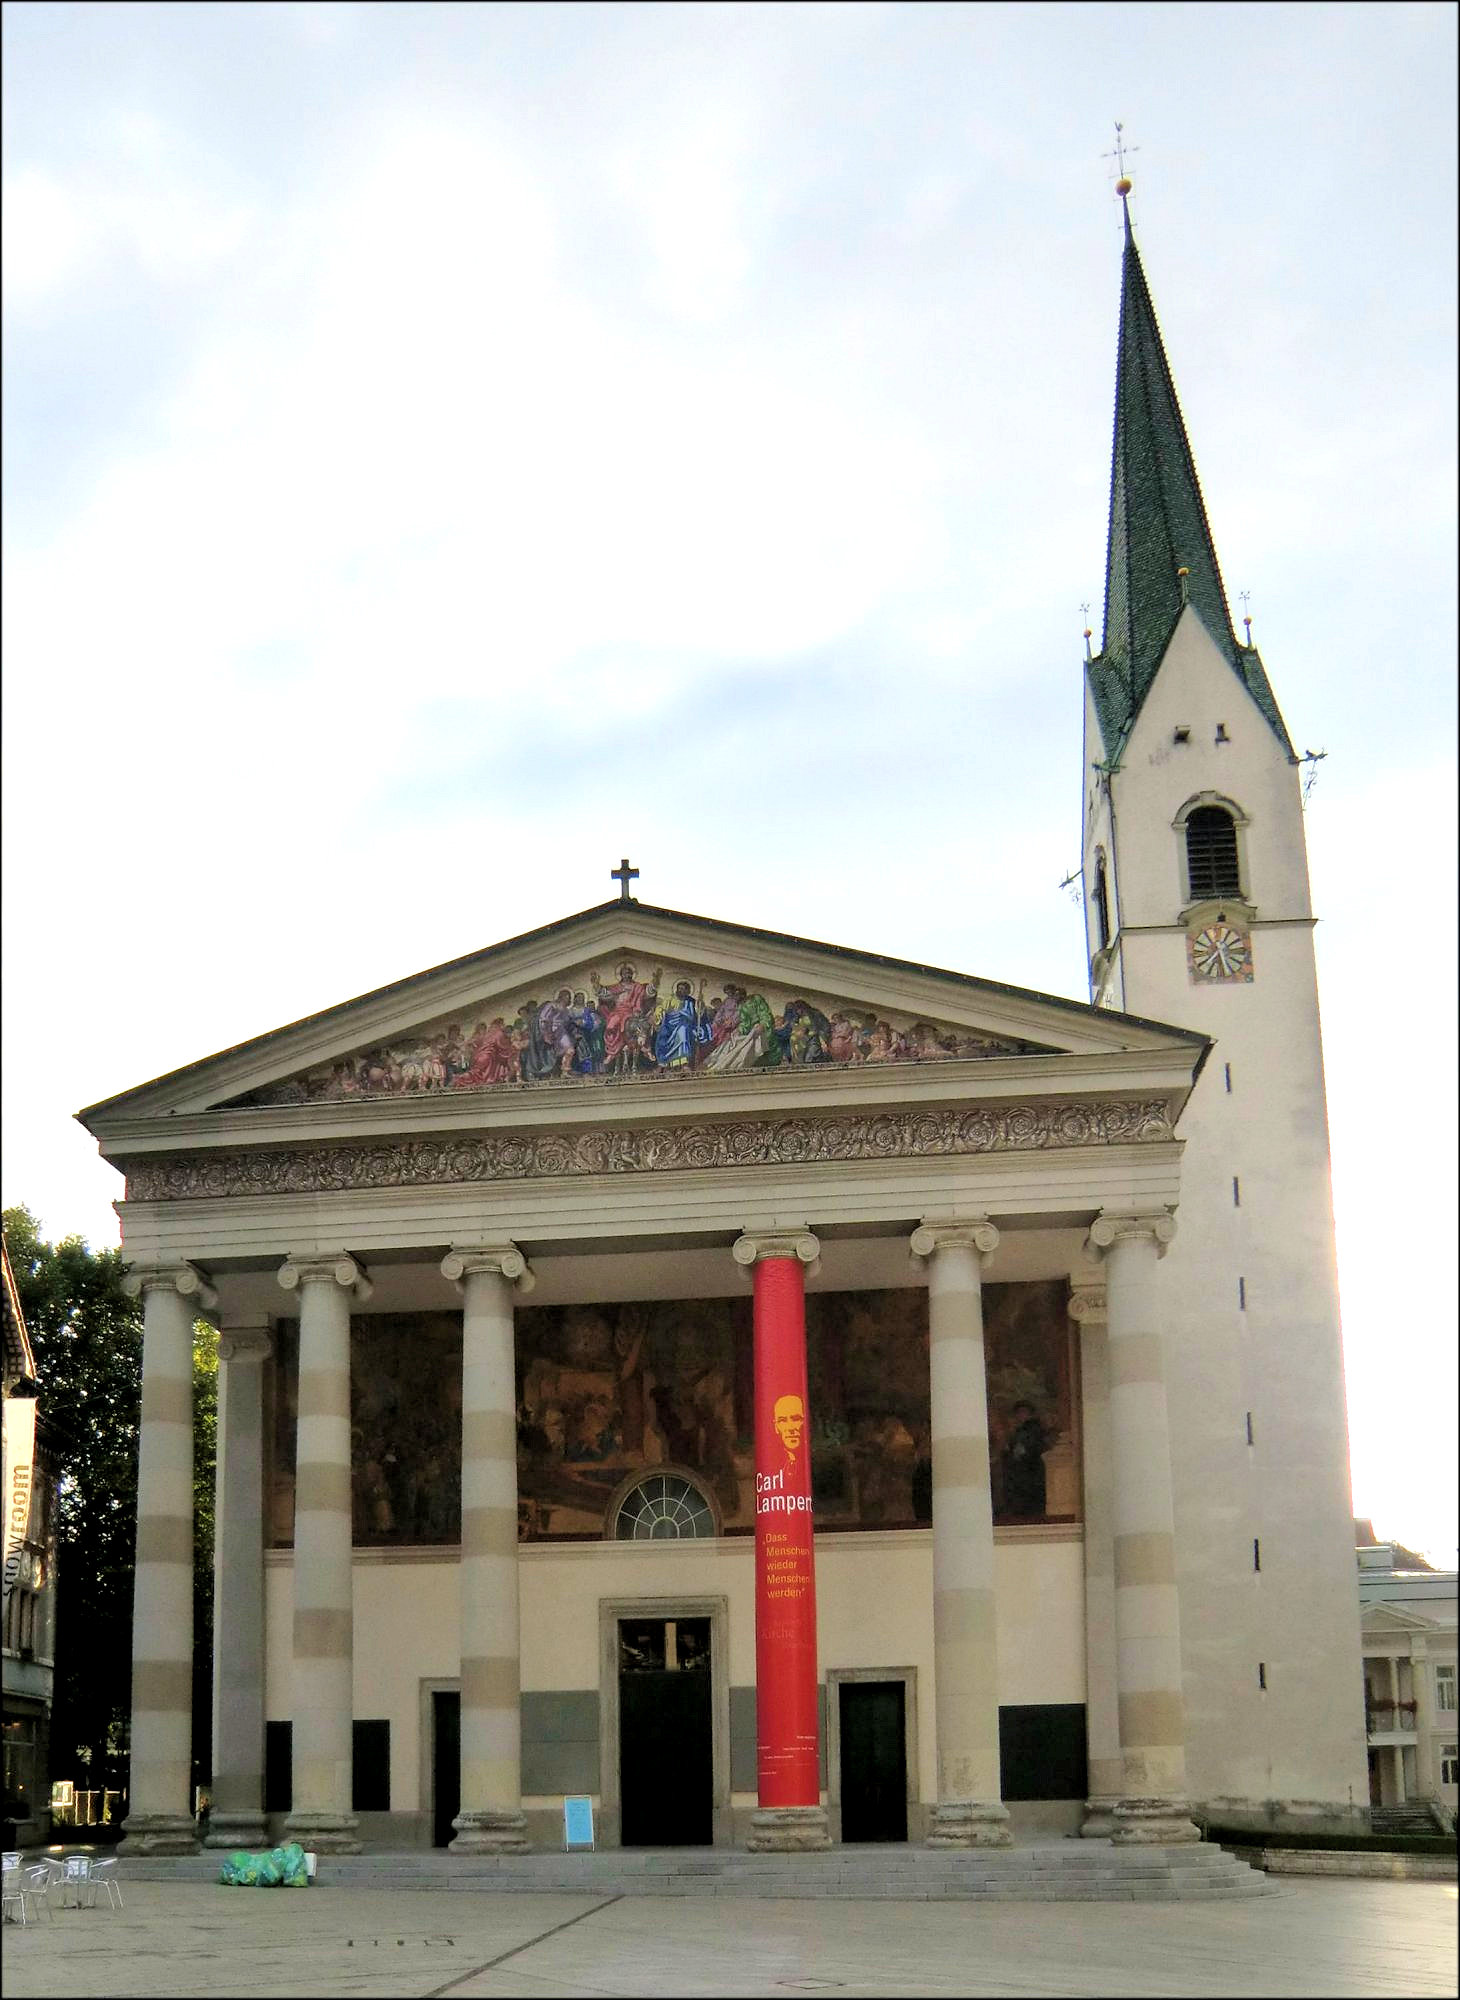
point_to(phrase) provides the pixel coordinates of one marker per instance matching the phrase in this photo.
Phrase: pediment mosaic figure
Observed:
(640, 1023)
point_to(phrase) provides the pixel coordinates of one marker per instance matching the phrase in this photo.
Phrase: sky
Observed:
(447, 448)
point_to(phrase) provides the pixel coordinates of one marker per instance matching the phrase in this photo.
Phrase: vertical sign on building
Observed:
(785, 1577)
(19, 1419)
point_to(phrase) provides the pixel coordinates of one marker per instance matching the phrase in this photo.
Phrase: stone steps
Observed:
(1084, 1871)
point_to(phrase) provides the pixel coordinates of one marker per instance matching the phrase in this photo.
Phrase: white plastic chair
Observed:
(103, 1877)
(74, 1881)
(25, 1887)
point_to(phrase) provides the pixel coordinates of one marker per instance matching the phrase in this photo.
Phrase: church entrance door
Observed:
(445, 1764)
(665, 1735)
(873, 1732)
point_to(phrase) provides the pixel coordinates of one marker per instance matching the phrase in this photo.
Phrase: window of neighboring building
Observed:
(22, 1765)
(1445, 1688)
(1211, 853)
(1450, 1763)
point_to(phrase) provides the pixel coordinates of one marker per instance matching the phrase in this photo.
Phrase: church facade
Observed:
(781, 1393)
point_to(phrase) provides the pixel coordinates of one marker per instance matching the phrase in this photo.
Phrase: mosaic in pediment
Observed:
(643, 1022)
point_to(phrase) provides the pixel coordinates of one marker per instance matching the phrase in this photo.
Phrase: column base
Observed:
(324, 1832)
(248, 1830)
(788, 1830)
(490, 1833)
(1151, 1822)
(158, 1833)
(970, 1823)
(1099, 1821)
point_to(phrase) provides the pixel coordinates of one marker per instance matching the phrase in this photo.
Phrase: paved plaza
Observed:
(186, 1938)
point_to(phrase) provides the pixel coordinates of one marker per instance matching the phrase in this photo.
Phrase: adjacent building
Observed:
(1408, 1614)
(30, 1582)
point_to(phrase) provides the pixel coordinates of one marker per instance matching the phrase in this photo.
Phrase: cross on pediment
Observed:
(623, 875)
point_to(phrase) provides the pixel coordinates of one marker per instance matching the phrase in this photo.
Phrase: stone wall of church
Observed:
(874, 1603)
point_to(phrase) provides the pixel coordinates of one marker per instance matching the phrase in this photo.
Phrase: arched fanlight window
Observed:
(664, 1507)
(1211, 853)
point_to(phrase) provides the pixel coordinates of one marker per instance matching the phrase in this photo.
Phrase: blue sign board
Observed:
(577, 1822)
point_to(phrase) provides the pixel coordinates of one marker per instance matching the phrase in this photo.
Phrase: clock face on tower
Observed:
(1220, 951)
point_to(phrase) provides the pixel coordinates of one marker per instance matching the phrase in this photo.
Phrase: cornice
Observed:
(1032, 1125)
(829, 1541)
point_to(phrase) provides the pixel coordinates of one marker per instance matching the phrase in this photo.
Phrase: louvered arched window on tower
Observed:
(1211, 853)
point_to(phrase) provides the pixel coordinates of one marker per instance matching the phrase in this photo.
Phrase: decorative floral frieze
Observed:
(343, 1165)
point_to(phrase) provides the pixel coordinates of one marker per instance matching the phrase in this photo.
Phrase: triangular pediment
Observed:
(631, 994)
(1379, 1618)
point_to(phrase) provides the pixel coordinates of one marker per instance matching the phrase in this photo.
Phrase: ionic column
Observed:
(160, 1816)
(789, 1812)
(1102, 1714)
(237, 1819)
(491, 1819)
(1152, 1716)
(970, 1811)
(322, 1817)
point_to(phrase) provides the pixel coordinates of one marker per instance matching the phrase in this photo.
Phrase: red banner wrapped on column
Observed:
(785, 1574)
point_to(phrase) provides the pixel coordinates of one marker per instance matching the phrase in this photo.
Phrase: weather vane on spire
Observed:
(1246, 617)
(1117, 153)
(1085, 614)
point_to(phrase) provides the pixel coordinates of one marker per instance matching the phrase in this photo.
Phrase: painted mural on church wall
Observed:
(641, 1022)
(607, 1392)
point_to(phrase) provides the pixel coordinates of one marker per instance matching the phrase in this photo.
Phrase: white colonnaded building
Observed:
(481, 1246)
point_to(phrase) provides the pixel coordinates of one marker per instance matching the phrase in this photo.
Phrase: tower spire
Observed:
(1160, 556)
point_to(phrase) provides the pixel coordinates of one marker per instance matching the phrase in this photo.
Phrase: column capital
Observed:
(1107, 1230)
(244, 1343)
(497, 1260)
(754, 1247)
(973, 1232)
(185, 1279)
(342, 1269)
(1088, 1302)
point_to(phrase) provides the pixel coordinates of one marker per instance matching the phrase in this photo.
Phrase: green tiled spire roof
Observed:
(1157, 526)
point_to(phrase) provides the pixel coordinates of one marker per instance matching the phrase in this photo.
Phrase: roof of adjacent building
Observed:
(19, 1358)
(1158, 526)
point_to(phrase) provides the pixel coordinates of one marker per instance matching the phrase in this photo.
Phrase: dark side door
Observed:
(873, 1760)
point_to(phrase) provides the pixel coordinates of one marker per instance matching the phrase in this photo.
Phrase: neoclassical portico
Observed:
(1032, 1143)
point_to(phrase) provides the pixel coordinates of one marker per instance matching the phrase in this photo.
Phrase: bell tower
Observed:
(1197, 912)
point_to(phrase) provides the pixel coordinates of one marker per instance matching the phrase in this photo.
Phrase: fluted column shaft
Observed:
(322, 1816)
(160, 1807)
(491, 1818)
(1147, 1611)
(237, 1818)
(969, 1811)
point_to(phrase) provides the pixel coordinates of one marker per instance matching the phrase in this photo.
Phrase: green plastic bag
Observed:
(296, 1868)
(240, 1871)
(280, 1868)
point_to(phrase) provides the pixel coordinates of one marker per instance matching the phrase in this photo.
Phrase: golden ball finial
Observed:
(1122, 187)
(1086, 633)
(1183, 571)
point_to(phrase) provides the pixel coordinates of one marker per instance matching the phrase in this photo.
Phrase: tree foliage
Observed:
(87, 1337)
